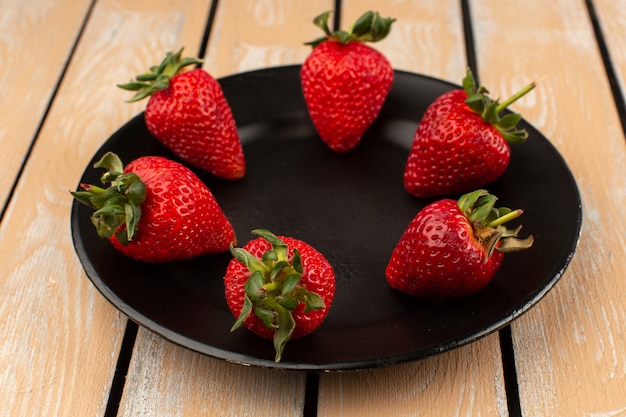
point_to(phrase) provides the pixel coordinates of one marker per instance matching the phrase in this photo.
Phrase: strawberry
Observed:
(188, 113)
(156, 210)
(345, 82)
(286, 283)
(453, 248)
(462, 143)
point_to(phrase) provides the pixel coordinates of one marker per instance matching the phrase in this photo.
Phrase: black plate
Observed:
(352, 208)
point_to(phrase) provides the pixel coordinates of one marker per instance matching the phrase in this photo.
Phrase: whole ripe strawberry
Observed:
(156, 210)
(278, 287)
(462, 143)
(345, 82)
(188, 113)
(453, 249)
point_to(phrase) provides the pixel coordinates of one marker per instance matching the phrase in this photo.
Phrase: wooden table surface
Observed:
(65, 351)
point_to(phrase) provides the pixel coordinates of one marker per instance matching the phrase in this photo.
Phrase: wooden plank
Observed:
(35, 50)
(427, 38)
(60, 338)
(570, 349)
(466, 381)
(247, 35)
(167, 380)
(252, 34)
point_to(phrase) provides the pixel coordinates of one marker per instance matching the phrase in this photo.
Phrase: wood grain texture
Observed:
(59, 338)
(427, 39)
(570, 349)
(34, 50)
(169, 381)
(253, 34)
(465, 382)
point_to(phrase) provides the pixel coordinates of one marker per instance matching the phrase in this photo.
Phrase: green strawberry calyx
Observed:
(488, 222)
(272, 291)
(119, 204)
(479, 102)
(370, 27)
(158, 78)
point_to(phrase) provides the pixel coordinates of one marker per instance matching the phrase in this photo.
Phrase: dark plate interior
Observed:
(352, 208)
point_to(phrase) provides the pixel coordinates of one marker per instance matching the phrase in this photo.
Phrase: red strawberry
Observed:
(156, 210)
(462, 143)
(286, 283)
(345, 82)
(189, 114)
(453, 249)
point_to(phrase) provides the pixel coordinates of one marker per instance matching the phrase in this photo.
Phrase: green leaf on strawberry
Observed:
(489, 109)
(488, 222)
(116, 205)
(370, 27)
(276, 301)
(159, 76)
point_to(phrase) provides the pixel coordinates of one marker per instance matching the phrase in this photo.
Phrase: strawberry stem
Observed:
(487, 222)
(521, 93)
(270, 286)
(505, 218)
(489, 110)
(94, 189)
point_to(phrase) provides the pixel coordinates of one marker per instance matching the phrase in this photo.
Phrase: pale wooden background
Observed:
(59, 339)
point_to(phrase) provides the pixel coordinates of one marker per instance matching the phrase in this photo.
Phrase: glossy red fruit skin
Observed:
(344, 86)
(193, 119)
(318, 276)
(438, 255)
(454, 150)
(180, 217)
